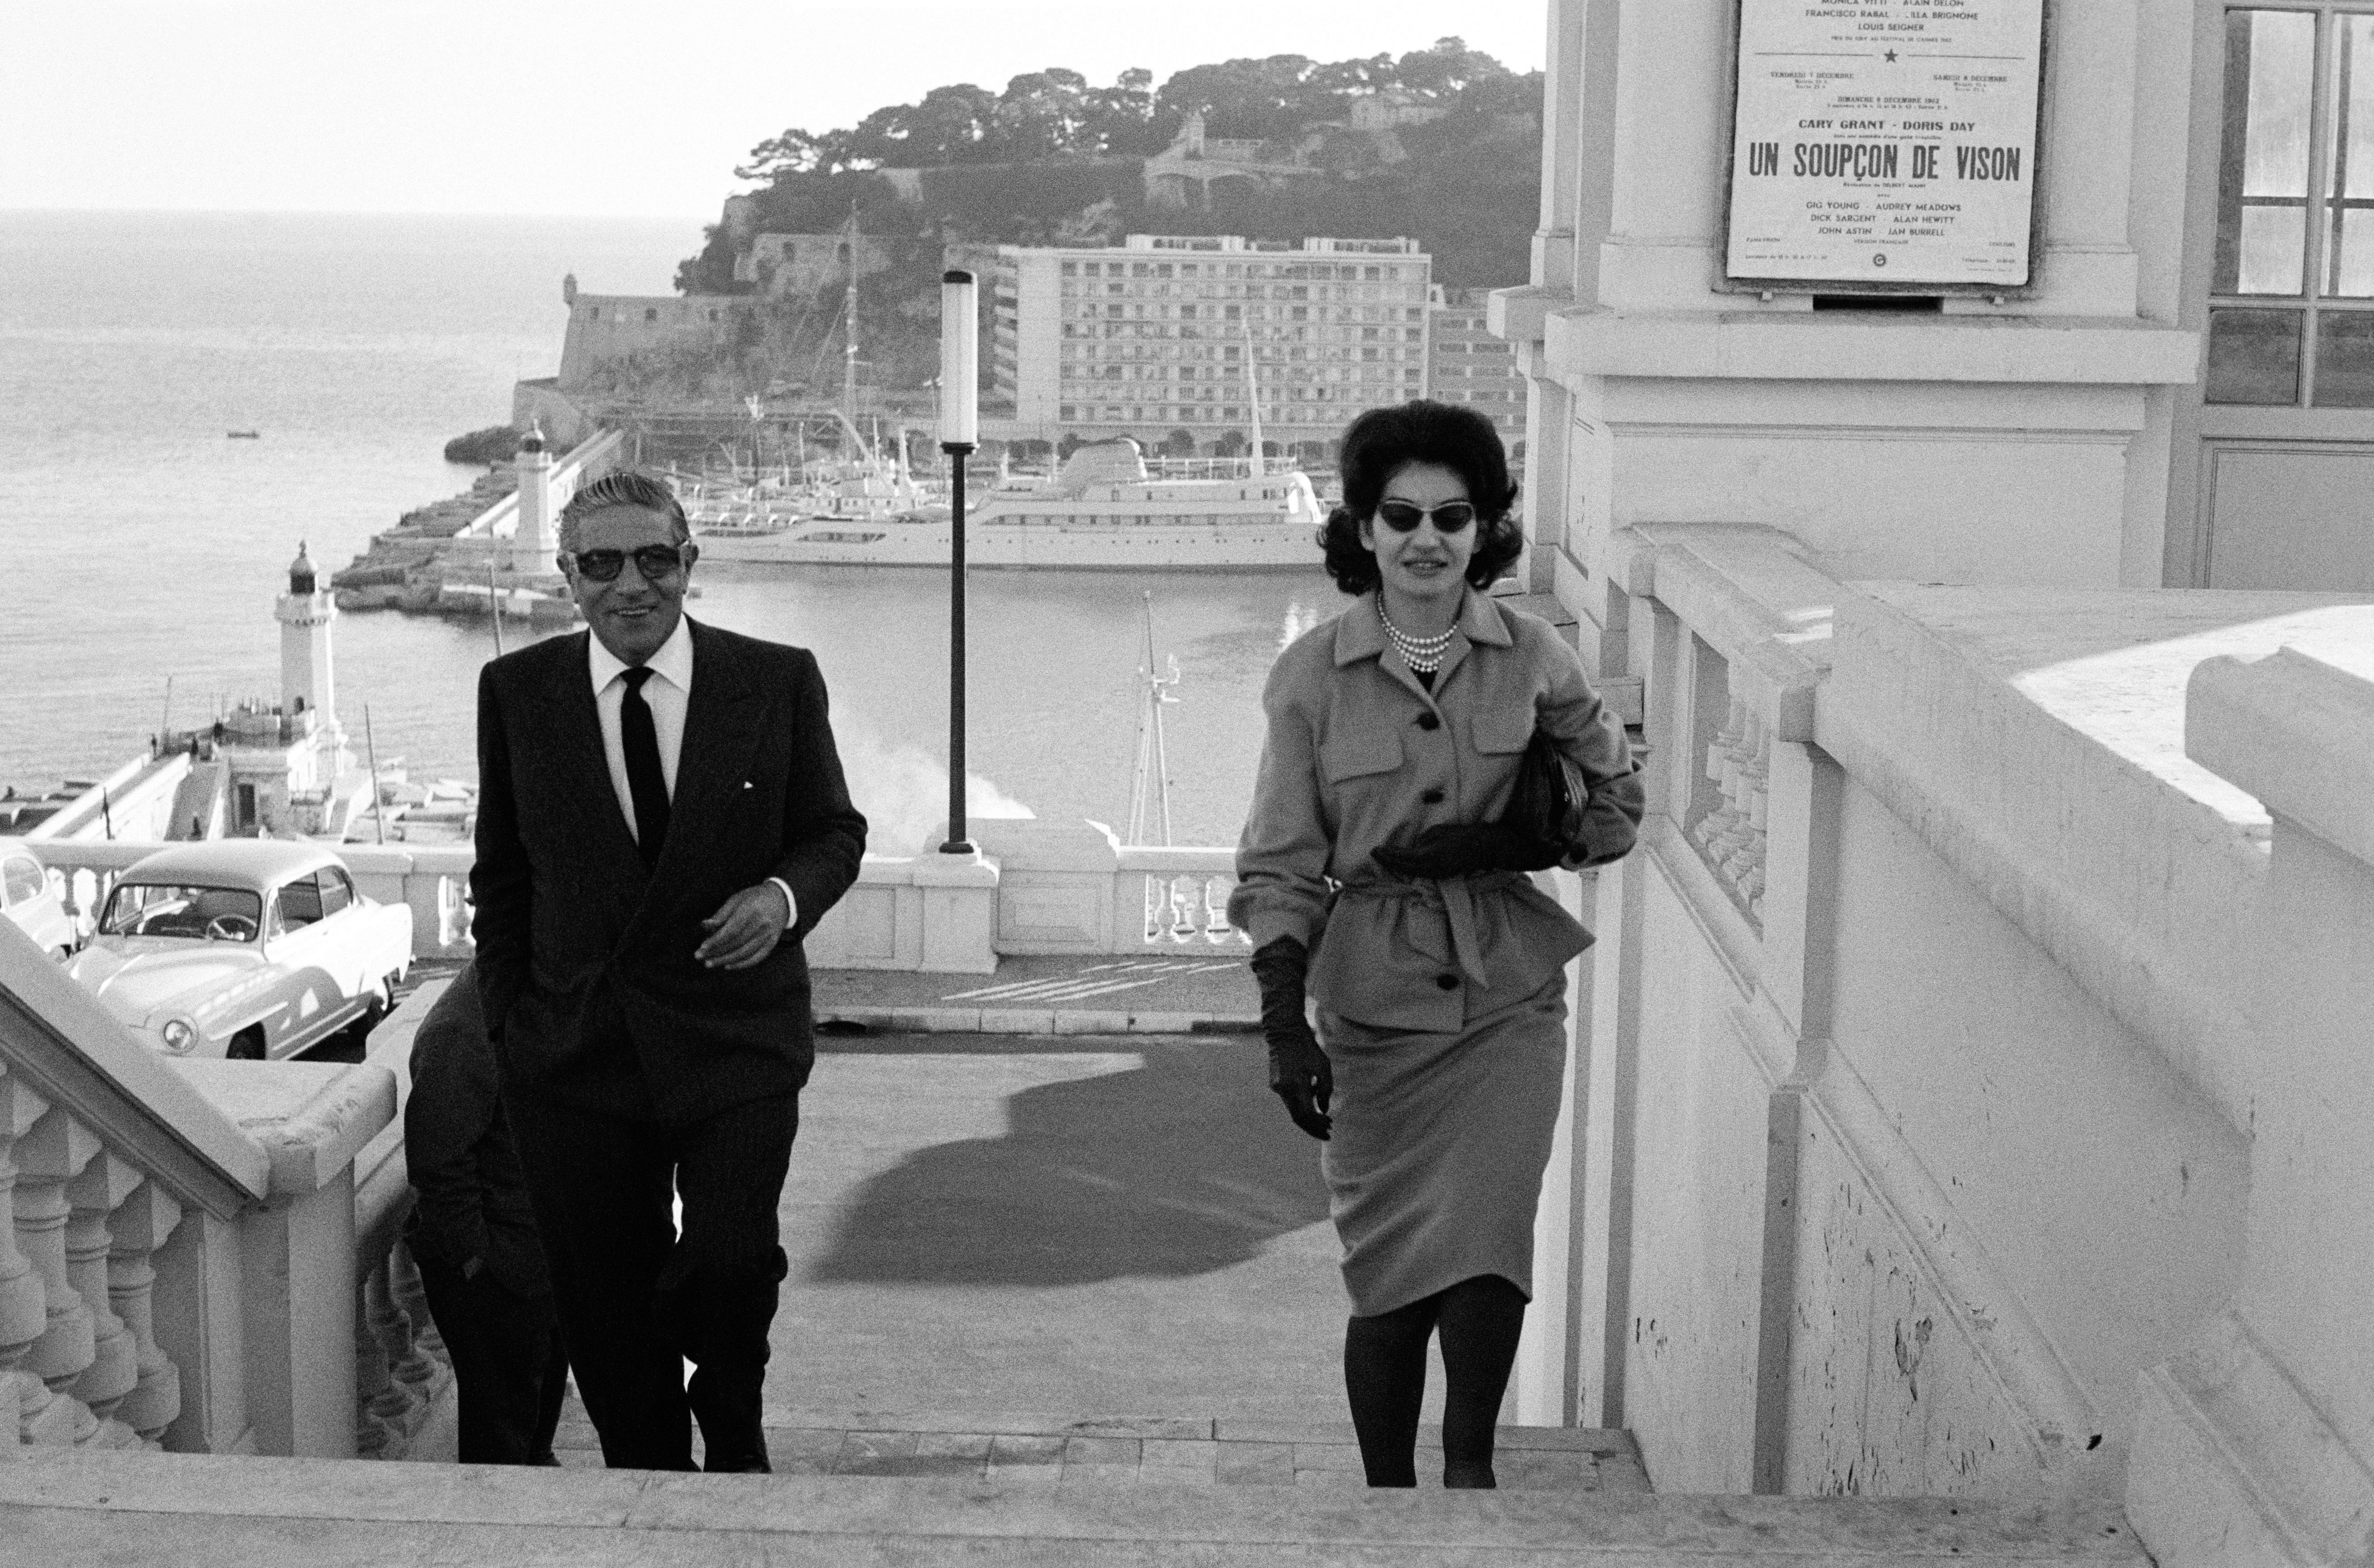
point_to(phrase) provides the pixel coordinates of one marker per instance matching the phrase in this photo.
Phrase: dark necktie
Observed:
(646, 784)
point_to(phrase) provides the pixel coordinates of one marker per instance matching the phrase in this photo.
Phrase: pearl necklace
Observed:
(1422, 654)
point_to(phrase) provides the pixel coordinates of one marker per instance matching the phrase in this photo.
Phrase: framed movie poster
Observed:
(1885, 145)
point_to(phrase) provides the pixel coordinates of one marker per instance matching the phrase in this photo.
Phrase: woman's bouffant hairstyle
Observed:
(1382, 443)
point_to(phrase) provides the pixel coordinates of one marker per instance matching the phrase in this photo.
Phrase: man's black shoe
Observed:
(739, 1460)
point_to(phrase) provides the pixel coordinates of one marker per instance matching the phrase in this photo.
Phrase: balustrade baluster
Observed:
(1182, 908)
(47, 1159)
(114, 1369)
(24, 1310)
(417, 1357)
(1720, 766)
(382, 1405)
(1217, 929)
(141, 1223)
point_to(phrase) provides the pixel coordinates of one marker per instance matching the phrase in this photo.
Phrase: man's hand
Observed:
(744, 930)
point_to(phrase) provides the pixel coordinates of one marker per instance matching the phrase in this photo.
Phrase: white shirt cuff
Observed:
(789, 903)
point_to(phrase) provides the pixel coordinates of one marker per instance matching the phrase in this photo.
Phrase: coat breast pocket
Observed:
(1357, 755)
(1501, 732)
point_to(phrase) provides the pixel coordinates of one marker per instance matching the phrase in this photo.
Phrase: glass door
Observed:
(2285, 420)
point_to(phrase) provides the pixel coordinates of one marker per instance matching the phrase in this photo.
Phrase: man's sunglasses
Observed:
(1402, 517)
(656, 562)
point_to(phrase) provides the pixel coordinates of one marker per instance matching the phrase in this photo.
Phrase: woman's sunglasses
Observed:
(1448, 517)
(656, 562)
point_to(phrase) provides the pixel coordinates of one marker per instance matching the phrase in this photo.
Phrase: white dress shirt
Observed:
(667, 694)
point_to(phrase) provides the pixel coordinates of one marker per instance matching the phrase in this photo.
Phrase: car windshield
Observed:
(157, 908)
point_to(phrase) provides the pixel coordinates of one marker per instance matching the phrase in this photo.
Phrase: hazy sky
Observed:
(545, 106)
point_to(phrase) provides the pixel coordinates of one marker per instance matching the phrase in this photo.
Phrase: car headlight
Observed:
(179, 1035)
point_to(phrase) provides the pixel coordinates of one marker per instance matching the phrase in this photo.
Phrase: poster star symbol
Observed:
(1891, 57)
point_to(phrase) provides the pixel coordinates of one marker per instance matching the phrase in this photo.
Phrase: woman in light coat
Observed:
(1374, 873)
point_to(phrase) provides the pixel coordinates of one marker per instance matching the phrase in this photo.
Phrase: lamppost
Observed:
(960, 434)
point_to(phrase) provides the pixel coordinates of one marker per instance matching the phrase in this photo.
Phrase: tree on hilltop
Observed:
(1041, 115)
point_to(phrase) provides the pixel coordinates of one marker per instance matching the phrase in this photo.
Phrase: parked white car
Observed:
(32, 901)
(243, 948)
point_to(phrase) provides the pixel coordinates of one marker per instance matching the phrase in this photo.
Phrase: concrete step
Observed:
(71, 1510)
(1205, 1450)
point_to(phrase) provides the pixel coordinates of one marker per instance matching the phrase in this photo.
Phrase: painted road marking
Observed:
(1095, 979)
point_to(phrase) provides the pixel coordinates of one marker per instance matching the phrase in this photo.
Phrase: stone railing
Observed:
(1942, 1031)
(179, 1268)
(1034, 887)
(433, 880)
(1733, 629)
(2255, 1443)
(1772, 1232)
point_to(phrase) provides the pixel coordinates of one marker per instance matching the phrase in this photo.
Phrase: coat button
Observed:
(1429, 721)
(1432, 797)
(1448, 982)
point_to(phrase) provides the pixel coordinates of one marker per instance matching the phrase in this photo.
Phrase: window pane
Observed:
(2272, 253)
(2349, 225)
(2262, 173)
(2345, 359)
(2254, 356)
(2352, 253)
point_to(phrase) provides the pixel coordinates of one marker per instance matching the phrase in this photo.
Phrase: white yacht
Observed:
(1102, 510)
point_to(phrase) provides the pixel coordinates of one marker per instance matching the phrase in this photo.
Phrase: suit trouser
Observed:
(508, 1361)
(637, 1300)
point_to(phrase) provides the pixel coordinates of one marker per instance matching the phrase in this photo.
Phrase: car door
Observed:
(345, 941)
(24, 888)
(299, 946)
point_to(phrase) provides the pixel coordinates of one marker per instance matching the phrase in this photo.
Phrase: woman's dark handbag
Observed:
(1546, 805)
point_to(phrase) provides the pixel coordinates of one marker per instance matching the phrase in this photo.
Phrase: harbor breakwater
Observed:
(485, 551)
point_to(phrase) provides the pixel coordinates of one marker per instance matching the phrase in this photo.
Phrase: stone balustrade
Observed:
(178, 1265)
(433, 880)
(1925, 1102)
(1034, 887)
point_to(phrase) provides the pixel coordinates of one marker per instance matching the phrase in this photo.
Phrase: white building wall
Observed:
(1037, 339)
(1150, 337)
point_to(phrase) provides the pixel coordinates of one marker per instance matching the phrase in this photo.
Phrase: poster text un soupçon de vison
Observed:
(1885, 142)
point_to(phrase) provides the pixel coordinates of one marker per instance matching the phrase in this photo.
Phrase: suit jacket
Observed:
(470, 1198)
(585, 957)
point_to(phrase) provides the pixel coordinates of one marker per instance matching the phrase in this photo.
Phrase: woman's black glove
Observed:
(1455, 849)
(1299, 1071)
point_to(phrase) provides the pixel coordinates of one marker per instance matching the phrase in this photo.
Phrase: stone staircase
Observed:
(1204, 1452)
(70, 1510)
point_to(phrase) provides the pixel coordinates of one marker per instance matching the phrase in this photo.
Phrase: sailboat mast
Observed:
(1253, 394)
(849, 327)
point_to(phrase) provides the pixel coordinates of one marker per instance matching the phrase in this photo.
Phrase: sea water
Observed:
(143, 546)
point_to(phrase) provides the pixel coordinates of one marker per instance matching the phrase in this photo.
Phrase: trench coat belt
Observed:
(1454, 899)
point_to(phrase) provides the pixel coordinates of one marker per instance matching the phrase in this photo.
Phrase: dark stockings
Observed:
(1384, 1373)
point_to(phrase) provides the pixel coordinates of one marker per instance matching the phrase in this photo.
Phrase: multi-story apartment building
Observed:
(1466, 364)
(1165, 337)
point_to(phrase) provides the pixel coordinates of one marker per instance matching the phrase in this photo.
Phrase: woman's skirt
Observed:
(1435, 1165)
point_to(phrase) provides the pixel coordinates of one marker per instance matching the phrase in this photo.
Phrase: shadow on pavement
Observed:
(1183, 1167)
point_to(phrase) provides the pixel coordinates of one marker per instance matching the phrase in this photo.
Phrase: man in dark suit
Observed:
(661, 818)
(475, 1239)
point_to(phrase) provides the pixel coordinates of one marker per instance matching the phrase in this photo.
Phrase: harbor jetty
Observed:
(487, 550)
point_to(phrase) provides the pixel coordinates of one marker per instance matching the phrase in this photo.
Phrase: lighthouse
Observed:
(536, 536)
(308, 683)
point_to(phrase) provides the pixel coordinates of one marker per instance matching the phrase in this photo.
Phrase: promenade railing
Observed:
(1921, 1111)
(185, 1261)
